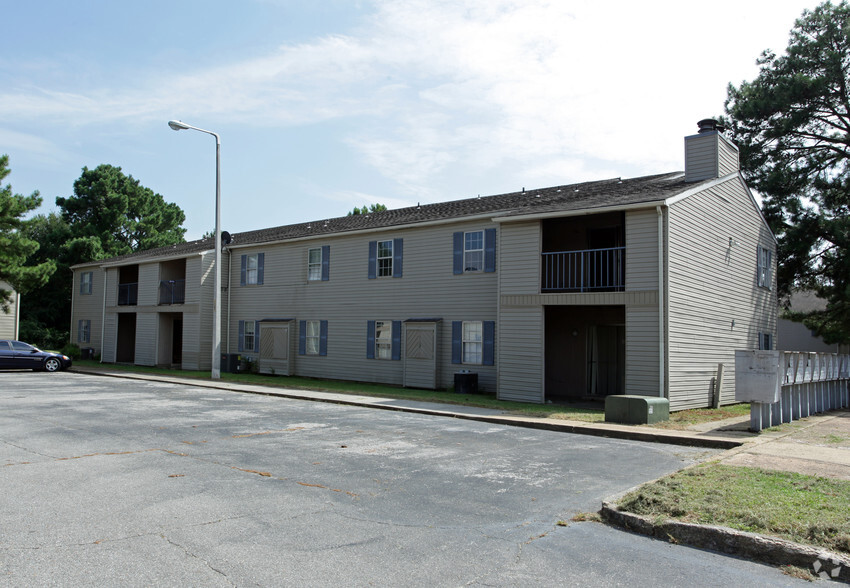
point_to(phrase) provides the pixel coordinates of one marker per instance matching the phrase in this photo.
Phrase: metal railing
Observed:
(128, 294)
(809, 383)
(584, 271)
(172, 291)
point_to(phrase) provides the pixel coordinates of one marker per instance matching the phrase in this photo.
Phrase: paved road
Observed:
(111, 482)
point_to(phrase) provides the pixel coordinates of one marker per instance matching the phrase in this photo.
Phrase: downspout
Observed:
(18, 313)
(661, 350)
(103, 316)
(229, 273)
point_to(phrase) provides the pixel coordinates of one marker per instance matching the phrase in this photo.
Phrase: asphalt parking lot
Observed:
(116, 482)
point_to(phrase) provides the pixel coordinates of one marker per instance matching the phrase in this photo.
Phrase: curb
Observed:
(752, 546)
(613, 432)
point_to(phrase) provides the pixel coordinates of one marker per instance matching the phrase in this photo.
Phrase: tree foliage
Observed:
(792, 124)
(15, 245)
(367, 209)
(112, 214)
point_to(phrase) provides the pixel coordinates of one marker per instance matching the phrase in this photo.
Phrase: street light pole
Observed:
(216, 340)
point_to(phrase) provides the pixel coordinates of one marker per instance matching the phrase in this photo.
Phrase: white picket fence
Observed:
(784, 386)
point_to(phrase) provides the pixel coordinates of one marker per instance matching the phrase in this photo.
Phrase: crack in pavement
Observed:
(199, 558)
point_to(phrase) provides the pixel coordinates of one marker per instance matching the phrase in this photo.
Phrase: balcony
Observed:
(128, 294)
(588, 270)
(172, 291)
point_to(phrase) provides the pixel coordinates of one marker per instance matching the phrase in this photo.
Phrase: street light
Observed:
(216, 341)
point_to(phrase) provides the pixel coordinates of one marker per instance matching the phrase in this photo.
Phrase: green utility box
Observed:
(631, 409)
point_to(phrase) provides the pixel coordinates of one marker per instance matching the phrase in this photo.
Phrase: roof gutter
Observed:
(579, 212)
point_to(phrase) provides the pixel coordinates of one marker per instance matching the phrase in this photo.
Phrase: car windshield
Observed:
(20, 346)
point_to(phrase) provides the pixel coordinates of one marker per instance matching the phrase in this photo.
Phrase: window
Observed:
(248, 340)
(251, 272)
(84, 331)
(248, 336)
(85, 282)
(765, 268)
(474, 342)
(385, 258)
(383, 340)
(474, 251)
(313, 337)
(318, 263)
(312, 340)
(765, 341)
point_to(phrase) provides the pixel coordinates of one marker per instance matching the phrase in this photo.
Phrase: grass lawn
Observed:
(678, 420)
(805, 509)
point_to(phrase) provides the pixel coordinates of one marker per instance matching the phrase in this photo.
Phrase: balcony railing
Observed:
(128, 294)
(172, 291)
(585, 271)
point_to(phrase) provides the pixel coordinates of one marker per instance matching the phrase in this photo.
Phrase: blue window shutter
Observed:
(243, 272)
(241, 344)
(457, 252)
(323, 337)
(88, 331)
(326, 263)
(489, 250)
(397, 257)
(457, 341)
(373, 260)
(80, 333)
(396, 333)
(370, 339)
(257, 336)
(489, 347)
(260, 263)
(302, 337)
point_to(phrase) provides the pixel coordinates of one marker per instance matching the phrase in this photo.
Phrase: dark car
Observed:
(16, 355)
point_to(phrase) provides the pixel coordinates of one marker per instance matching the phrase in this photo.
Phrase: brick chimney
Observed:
(709, 154)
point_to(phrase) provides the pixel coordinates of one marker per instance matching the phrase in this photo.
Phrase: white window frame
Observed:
(383, 339)
(249, 336)
(86, 279)
(766, 341)
(470, 253)
(765, 268)
(252, 272)
(472, 339)
(312, 338)
(314, 268)
(384, 263)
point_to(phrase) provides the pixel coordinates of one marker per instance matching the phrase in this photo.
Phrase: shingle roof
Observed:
(588, 195)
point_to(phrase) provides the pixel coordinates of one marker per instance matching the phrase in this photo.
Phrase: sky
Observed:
(329, 104)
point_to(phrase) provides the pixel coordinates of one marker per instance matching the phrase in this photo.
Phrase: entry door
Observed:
(606, 351)
(420, 355)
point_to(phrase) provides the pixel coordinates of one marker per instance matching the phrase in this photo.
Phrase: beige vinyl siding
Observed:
(519, 263)
(147, 331)
(427, 289)
(727, 157)
(701, 157)
(88, 307)
(642, 250)
(711, 285)
(191, 330)
(519, 351)
(203, 344)
(148, 284)
(642, 364)
(9, 321)
(110, 335)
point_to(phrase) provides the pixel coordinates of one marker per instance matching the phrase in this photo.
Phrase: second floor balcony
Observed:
(588, 270)
(172, 291)
(128, 294)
